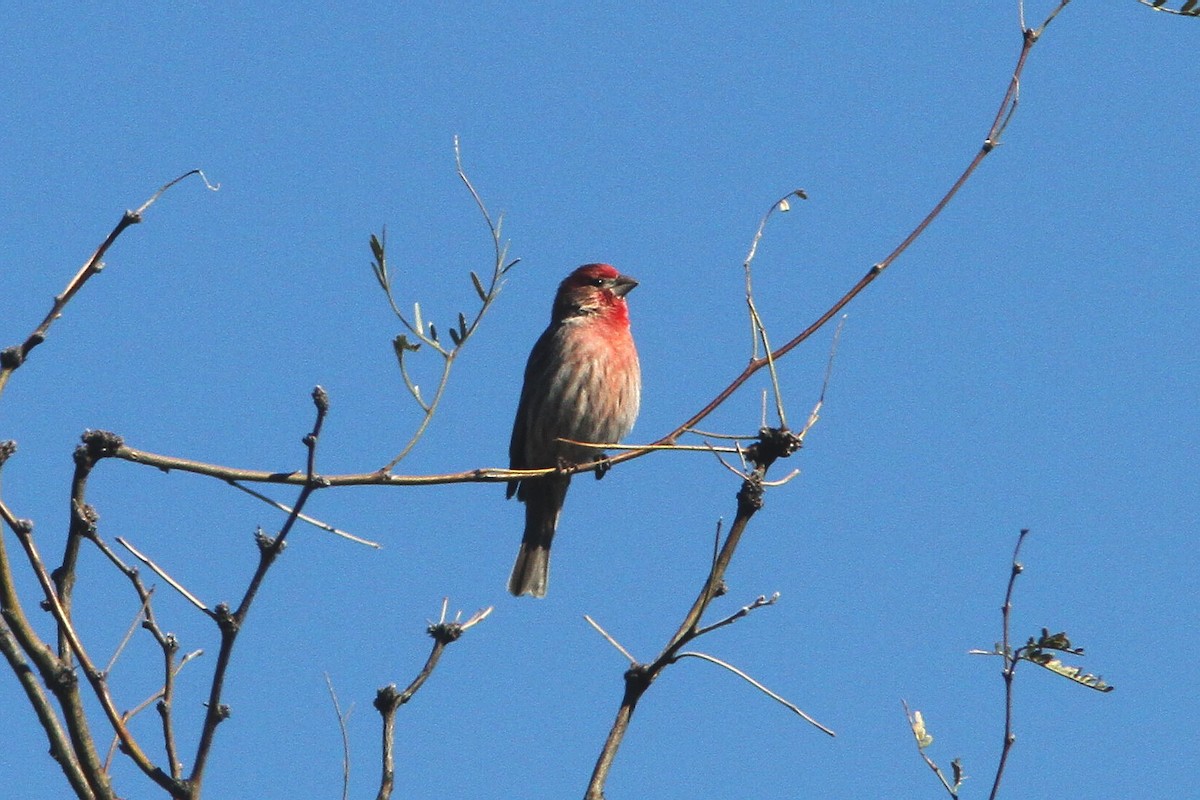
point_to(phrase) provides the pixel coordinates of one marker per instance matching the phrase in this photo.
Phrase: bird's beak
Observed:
(623, 285)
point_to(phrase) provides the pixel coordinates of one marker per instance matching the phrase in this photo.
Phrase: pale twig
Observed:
(160, 572)
(759, 602)
(316, 523)
(610, 639)
(142, 706)
(705, 448)
(781, 481)
(133, 626)
(758, 328)
(716, 545)
(341, 718)
(815, 414)
(777, 698)
(712, 435)
(727, 465)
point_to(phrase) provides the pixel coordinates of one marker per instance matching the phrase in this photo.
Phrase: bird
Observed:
(582, 382)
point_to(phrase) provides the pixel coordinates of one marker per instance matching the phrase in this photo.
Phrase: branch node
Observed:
(320, 399)
(97, 445)
(772, 445)
(12, 357)
(265, 541)
(637, 679)
(445, 632)
(750, 496)
(225, 618)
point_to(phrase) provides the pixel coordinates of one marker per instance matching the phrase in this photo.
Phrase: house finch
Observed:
(582, 382)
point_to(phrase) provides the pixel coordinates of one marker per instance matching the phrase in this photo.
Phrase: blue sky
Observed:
(1030, 362)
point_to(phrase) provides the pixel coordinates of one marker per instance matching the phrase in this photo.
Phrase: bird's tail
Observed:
(543, 502)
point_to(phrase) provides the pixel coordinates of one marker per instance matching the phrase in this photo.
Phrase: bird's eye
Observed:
(598, 281)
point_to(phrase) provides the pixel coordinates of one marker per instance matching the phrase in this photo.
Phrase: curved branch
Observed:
(13, 357)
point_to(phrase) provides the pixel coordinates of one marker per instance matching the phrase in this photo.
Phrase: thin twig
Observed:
(757, 685)
(426, 334)
(758, 329)
(713, 435)
(761, 601)
(133, 626)
(316, 523)
(162, 573)
(341, 718)
(1010, 664)
(706, 448)
(610, 639)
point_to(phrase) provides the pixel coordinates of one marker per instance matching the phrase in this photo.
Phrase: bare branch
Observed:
(133, 626)
(760, 602)
(388, 699)
(13, 357)
(230, 622)
(1010, 664)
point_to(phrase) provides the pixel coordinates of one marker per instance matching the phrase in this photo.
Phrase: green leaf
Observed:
(455, 337)
(462, 326)
(432, 332)
(1187, 8)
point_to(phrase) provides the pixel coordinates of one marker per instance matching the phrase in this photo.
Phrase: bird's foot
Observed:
(603, 465)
